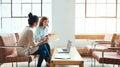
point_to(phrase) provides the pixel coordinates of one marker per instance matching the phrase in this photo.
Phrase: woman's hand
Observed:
(44, 39)
(41, 43)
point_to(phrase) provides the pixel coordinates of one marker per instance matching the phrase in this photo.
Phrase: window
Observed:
(97, 16)
(101, 8)
(14, 13)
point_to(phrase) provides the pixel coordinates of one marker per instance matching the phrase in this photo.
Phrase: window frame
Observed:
(22, 16)
(86, 16)
(11, 4)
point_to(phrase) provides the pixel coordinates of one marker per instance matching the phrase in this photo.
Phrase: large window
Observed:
(14, 13)
(97, 16)
(101, 8)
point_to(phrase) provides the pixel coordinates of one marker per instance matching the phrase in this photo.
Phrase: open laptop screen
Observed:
(60, 50)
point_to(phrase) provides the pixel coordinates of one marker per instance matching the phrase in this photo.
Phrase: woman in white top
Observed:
(27, 41)
(41, 32)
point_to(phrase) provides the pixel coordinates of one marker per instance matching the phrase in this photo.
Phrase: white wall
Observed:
(63, 19)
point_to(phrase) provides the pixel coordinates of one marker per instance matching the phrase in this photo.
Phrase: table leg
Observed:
(81, 64)
(52, 64)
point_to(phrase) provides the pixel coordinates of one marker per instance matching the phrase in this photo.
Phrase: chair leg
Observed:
(28, 64)
(94, 63)
(102, 65)
(35, 63)
(0, 64)
(113, 65)
(12, 64)
(16, 64)
(91, 62)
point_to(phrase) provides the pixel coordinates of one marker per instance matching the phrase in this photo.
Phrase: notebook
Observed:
(61, 56)
(67, 50)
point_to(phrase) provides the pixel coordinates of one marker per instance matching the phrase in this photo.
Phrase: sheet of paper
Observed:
(61, 56)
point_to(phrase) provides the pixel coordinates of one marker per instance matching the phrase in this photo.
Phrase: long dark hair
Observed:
(32, 19)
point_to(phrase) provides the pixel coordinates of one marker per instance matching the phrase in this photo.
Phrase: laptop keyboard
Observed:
(65, 50)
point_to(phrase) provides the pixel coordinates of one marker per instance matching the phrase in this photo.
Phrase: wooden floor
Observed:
(87, 63)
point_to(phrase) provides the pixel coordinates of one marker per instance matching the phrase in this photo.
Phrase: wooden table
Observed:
(75, 59)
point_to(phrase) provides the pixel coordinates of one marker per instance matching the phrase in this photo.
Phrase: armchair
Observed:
(107, 57)
(8, 50)
(102, 44)
(112, 57)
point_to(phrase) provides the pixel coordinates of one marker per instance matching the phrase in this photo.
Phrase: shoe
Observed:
(47, 64)
(49, 60)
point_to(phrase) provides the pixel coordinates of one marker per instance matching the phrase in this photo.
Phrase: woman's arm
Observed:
(40, 43)
(31, 40)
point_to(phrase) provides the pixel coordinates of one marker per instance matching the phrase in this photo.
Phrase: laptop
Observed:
(63, 50)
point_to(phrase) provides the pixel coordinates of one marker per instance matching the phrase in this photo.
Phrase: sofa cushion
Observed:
(117, 42)
(9, 40)
(118, 51)
(109, 57)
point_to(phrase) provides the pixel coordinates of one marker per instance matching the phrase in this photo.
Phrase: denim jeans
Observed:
(48, 47)
(44, 54)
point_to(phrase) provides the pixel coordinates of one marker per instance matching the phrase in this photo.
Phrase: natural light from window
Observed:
(97, 16)
(14, 13)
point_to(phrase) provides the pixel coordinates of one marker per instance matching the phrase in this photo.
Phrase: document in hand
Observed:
(53, 37)
(62, 56)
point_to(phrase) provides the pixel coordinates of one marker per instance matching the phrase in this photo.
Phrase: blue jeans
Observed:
(44, 54)
(48, 47)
